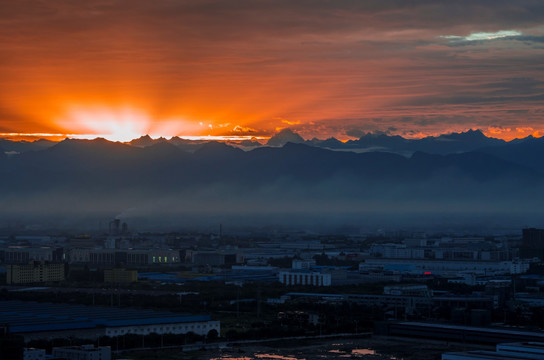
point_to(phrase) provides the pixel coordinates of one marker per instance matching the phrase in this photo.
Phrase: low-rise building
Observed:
(510, 351)
(22, 255)
(305, 277)
(46, 320)
(83, 352)
(213, 258)
(297, 264)
(34, 272)
(443, 267)
(118, 275)
(33, 354)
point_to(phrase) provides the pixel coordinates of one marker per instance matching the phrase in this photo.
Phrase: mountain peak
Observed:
(146, 140)
(467, 135)
(283, 137)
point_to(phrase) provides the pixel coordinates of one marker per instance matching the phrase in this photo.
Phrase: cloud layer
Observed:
(323, 68)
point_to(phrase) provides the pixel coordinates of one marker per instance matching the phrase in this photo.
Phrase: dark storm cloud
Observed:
(246, 19)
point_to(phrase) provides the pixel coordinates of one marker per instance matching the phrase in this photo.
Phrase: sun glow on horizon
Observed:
(122, 124)
(58, 137)
(126, 123)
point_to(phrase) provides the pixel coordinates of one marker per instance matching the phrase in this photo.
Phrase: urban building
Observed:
(33, 354)
(78, 256)
(22, 255)
(34, 272)
(297, 264)
(83, 352)
(532, 243)
(82, 241)
(533, 348)
(213, 258)
(445, 267)
(510, 351)
(113, 257)
(305, 277)
(118, 275)
(47, 320)
(460, 333)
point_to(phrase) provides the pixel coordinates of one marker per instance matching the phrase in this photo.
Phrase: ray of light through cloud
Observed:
(177, 68)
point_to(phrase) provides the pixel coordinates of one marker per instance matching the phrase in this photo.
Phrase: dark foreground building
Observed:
(35, 320)
(532, 243)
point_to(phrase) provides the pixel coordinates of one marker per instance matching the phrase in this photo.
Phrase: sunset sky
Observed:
(339, 68)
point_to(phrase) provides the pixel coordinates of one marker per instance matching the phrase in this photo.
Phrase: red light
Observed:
(427, 273)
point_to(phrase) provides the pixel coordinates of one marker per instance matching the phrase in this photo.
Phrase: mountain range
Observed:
(442, 144)
(163, 177)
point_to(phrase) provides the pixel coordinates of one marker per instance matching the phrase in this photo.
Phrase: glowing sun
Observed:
(123, 124)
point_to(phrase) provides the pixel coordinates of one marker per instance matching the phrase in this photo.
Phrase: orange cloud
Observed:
(179, 64)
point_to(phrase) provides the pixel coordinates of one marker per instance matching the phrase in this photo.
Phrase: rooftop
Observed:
(24, 317)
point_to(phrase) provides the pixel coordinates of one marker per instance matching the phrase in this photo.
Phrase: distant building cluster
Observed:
(395, 257)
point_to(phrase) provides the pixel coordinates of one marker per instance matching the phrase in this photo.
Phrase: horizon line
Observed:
(58, 137)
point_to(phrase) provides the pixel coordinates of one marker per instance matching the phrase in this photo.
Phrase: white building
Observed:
(519, 266)
(84, 352)
(197, 327)
(305, 278)
(34, 354)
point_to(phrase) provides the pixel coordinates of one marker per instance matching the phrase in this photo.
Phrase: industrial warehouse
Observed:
(36, 320)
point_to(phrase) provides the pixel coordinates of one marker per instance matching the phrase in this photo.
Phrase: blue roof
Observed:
(131, 322)
(35, 317)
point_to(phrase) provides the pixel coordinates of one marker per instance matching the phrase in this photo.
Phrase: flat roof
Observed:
(480, 354)
(525, 344)
(473, 328)
(23, 316)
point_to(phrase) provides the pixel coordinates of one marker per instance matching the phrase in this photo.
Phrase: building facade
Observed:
(305, 278)
(34, 272)
(84, 352)
(197, 327)
(120, 276)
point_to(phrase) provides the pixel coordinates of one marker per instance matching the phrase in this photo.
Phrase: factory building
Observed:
(46, 320)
